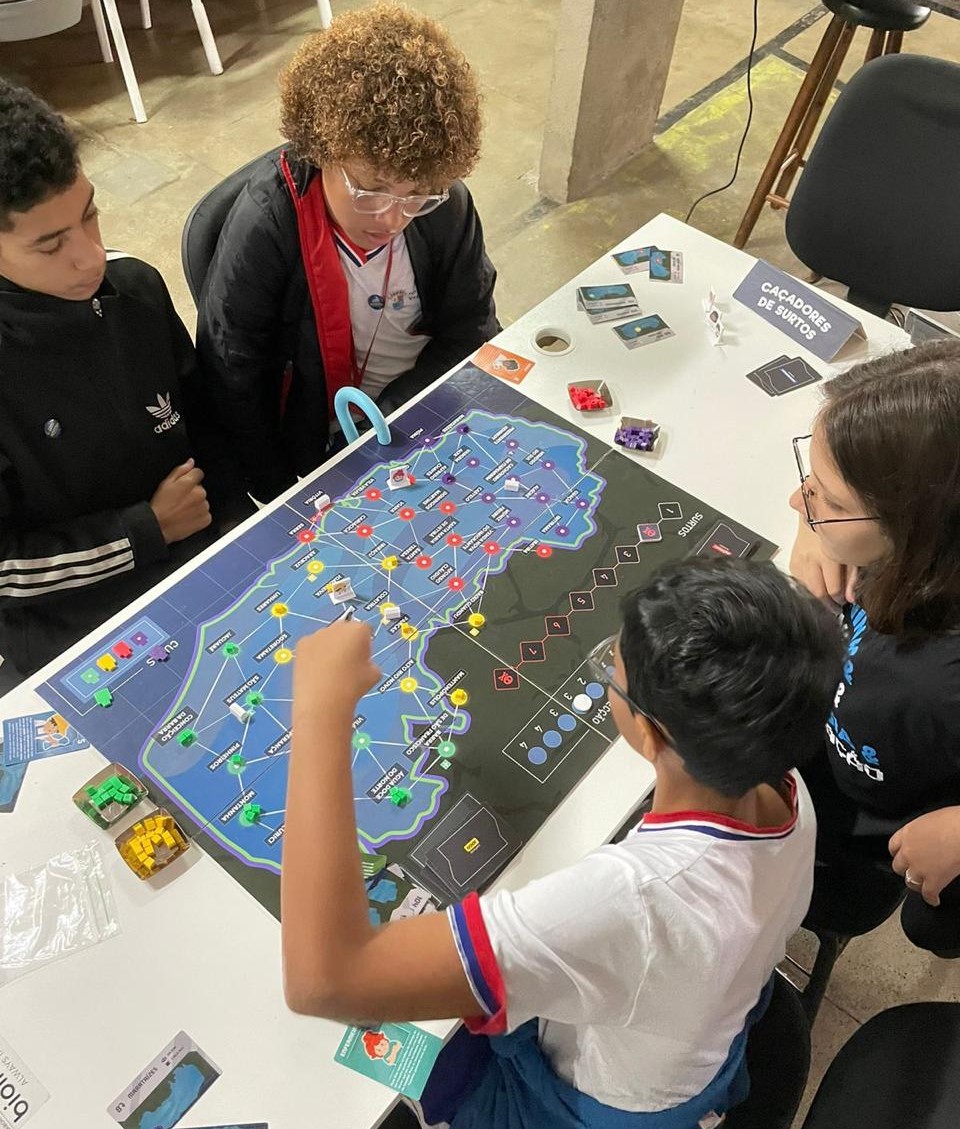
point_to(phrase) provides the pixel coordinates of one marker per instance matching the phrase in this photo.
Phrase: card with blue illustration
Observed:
(634, 260)
(39, 735)
(400, 1055)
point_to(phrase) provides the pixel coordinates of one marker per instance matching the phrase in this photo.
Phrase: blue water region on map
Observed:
(487, 485)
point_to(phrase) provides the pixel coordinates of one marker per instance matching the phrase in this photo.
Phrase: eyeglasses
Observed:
(601, 662)
(376, 203)
(806, 494)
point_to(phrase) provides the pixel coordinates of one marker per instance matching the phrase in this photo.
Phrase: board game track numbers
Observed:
(486, 579)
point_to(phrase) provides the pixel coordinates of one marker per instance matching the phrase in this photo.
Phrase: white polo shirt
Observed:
(642, 960)
(395, 348)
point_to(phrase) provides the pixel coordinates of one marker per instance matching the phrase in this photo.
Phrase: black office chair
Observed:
(875, 208)
(778, 1058)
(900, 1070)
(202, 229)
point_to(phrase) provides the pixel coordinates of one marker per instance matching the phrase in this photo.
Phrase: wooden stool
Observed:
(888, 19)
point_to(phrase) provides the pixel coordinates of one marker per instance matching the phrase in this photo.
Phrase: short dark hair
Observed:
(892, 427)
(737, 663)
(38, 153)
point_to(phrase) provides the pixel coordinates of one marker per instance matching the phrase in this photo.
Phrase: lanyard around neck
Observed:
(359, 373)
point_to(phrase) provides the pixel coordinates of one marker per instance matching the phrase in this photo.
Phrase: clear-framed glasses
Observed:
(376, 203)
(601, 662)
(806, 493)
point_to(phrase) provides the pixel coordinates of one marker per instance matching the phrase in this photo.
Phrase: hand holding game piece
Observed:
(180, 503)
(335, 663)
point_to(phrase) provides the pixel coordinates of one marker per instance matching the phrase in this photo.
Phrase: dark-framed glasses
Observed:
(806, 493)
(376, 203)
(601, 662)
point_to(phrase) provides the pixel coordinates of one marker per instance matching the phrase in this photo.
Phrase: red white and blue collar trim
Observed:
(722, 826)
(357, 255)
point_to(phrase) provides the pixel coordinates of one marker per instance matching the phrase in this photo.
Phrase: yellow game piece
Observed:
(476, 619)
(315, 568)
(408, 631)
(459, 697)
(390, 563)
(282, 655)
(279, 610)
(107, 663)
(408, 685)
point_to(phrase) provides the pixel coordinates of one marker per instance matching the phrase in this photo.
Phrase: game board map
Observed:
(507, 557)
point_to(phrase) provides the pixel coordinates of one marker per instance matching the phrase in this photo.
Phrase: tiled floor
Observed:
(201, 128)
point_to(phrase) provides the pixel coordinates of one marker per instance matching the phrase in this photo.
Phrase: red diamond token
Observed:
(424, 561)
(455, 583)
(544, 551)
(491, 548)
(454, 540)
(306, 536)
(407, 514)
(373, 494)
(364, 530)
(448, 507)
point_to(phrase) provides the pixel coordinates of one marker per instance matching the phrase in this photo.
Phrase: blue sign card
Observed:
(804, 315)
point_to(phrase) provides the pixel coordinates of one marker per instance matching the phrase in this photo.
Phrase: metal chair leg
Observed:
(123, 57)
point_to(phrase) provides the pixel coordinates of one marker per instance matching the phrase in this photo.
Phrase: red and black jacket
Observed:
(257, 343)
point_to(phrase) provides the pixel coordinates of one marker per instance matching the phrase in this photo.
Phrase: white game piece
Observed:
(322, 503)
(512, 484)
(582, 703)
(241, 712)
(398, 477)
(390, 613)
(341, 591)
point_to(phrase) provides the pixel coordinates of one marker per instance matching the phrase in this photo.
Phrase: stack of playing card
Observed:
(664, 266)
(608, 303)
(785, 374)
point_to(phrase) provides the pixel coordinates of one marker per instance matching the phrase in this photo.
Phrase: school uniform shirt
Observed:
(384, 308)
(893, 737)
(643, 960)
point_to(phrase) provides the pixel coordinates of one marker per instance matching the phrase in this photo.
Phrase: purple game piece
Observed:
(464, 429)
(448, 480)
(159, 654)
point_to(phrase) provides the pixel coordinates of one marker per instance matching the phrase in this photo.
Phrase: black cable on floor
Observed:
(746, 128)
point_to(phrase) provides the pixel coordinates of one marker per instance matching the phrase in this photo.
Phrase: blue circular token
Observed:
(566, 722)
(536, 755)
(595, 690)
(552, 739)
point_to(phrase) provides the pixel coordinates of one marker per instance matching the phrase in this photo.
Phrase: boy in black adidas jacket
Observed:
(100, 493)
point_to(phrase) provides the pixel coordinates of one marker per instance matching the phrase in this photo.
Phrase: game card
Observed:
(593, 298)
(498, 362)
(633, 261)
(666, 266)
(39, 735)
(11, 780)
(166, 1088)
(245, 1125)
(399, 1055)
(612, 313)
(643, 331)
(783, 375)
(726, 540)
(21, 1095)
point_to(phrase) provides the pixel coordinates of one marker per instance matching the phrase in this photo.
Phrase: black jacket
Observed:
(256, 321)
(94, 402)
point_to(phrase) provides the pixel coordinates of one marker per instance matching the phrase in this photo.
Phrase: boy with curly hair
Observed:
(354, 255)
(103, 432)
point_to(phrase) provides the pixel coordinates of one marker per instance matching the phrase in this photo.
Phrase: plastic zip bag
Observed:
(52, 910)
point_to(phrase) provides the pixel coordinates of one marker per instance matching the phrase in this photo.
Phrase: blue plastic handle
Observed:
(341, 404)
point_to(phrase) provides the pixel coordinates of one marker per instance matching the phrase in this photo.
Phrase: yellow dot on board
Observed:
(408, 631)
(408, 685)
(476, 619)
(279, 610)
(459, 697)
(283, 655)
(315, 568)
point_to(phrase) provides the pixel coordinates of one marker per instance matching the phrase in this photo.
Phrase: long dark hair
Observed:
(892, 426)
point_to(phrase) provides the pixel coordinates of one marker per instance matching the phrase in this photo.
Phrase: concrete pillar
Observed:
(610, 68)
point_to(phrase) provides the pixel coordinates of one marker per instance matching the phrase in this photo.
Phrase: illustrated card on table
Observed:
(643, 331)
(11, 780)
(166, 1088)
(666, 266)
(500, 362)
(782, 375)
(635, 260)
(399, 1055)
(39, 735)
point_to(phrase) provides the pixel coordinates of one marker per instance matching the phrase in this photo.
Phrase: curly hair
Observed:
(38, 153)
(388, 87)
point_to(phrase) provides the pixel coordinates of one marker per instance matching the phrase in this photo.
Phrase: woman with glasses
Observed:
(353, 256)
(879, 503)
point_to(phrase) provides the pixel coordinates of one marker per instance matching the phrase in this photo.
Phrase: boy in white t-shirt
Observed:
(619, 990)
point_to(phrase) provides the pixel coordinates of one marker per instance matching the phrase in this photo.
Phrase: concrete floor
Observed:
(201, 128)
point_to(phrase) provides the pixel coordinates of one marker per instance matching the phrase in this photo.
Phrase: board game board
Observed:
(515, 516)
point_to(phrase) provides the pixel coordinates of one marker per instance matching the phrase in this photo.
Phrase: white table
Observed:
(197, 952)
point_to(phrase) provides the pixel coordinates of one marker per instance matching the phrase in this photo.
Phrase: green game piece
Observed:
(231, 649)
(251, 814)
(237, 760)
(399, 796)
(254, 698)
(103, 697)
(187, 738)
